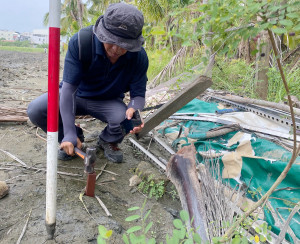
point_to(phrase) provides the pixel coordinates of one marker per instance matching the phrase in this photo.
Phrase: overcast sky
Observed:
(23, 15)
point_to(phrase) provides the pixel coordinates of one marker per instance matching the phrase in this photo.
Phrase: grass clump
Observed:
(22, 49)
(276, 90)
(235, 76)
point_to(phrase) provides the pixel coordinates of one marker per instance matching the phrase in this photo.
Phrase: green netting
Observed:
(258, 174)
(263, 174)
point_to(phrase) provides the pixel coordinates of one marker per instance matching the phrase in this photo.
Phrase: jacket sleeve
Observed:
(67, 111)
(137, 103)
(138, 84)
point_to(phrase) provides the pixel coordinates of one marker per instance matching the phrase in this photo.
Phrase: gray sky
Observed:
(23, 15)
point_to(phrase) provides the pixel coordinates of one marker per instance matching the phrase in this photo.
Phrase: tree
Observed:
(74, 15)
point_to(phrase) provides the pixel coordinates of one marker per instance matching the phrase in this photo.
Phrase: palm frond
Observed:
(152, 9)
(46, 19)
(176, 61)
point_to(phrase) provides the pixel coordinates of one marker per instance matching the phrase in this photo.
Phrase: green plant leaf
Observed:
(265, 228)
(197, 238)
(125, 239)
(177, 223)
(293, 15)
(100, 240)
(265, 26)
(134, 229)
(178, 234)
(132, 217)
(184, 215)
(147, 214)
(158, 32)
(102, 230)
(296, 28)
(257, 230)
(236, 240)
(286, 22)
(133, 238)
(188, 241)
(216, 240)
(133, 208)
(244, 240)
(269, 237)
(279, 30)
(262, 238)
(148, 227)
(152, 241)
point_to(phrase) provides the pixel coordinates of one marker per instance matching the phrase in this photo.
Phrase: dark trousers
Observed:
(111, 112)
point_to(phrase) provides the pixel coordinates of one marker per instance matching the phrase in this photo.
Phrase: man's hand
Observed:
(68, 147)
(137, 129)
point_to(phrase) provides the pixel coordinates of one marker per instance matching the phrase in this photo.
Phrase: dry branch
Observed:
(285, 227)
(103, 206)
(102, 169)
(24, 228)
(14, 157)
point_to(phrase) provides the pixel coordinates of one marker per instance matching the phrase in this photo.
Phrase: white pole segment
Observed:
(54, 14)
(51, 187)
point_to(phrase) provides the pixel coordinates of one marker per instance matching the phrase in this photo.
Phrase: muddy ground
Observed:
(23, 77)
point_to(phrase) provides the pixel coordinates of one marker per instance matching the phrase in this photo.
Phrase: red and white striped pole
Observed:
(52, 117)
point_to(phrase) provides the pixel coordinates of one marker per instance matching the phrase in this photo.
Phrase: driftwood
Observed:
(13, 114)
(181, 170)
(243, 100)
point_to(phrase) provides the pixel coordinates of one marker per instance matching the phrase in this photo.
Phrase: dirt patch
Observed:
(23, 77)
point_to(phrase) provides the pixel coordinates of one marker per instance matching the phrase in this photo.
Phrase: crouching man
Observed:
(118, 64)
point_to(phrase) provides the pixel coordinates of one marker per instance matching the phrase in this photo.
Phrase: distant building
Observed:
(25, 36)
(9, 35)
(40, 36)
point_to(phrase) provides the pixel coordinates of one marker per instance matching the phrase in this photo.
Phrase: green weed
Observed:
(138, 233)
(148, 186)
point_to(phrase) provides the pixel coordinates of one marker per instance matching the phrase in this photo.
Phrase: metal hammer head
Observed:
(89, 160)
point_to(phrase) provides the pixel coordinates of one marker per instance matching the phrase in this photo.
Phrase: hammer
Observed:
(89, 159)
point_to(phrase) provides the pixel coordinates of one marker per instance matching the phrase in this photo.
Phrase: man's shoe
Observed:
(111, 151)
(63, 156)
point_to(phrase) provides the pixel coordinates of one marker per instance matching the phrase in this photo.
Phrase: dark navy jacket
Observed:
(103, 80)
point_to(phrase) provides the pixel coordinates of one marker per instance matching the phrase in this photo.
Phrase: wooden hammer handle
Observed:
(79, 152)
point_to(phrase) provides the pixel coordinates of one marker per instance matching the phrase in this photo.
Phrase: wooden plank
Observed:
(199, 85)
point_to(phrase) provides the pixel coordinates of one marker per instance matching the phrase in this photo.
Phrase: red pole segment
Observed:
(52, 116)
(53, 79)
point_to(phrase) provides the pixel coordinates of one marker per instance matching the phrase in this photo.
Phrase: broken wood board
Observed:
(181, 170)
(199, 85)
